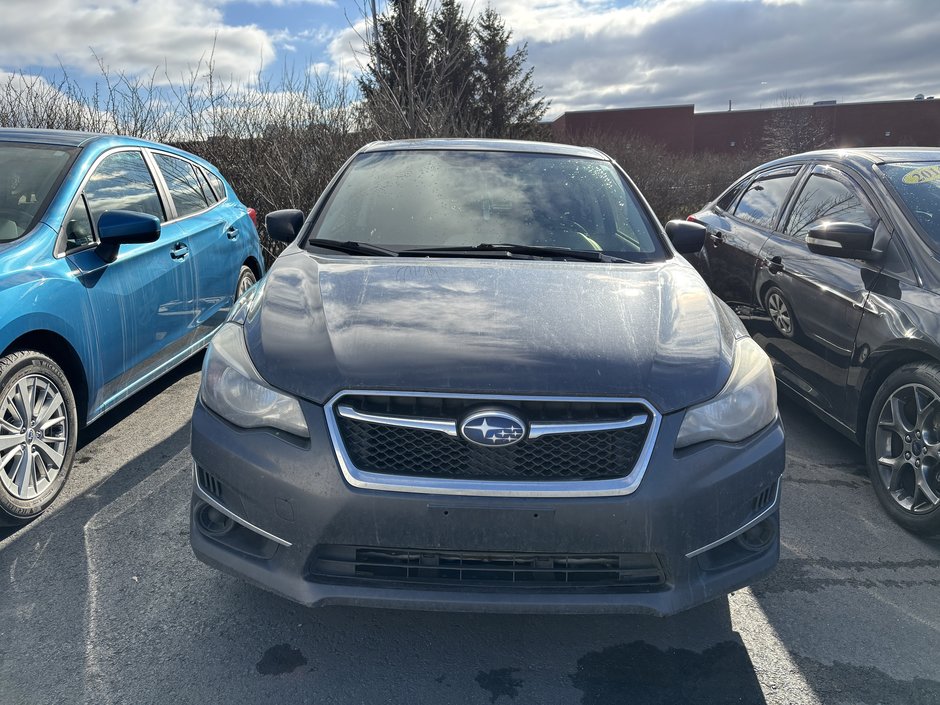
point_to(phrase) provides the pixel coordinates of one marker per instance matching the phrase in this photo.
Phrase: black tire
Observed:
(917, 453)
(780, 311)
(28, 487)
(246, 280)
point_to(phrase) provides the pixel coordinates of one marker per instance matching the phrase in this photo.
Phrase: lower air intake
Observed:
(477, 569)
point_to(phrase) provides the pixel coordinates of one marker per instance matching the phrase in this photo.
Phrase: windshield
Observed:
(28, 176)
(917, 184)
(412, 199)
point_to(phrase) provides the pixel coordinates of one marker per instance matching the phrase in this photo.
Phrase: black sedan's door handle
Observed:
(232, 233)
(717, 234)
(775, 265)
(179, 251)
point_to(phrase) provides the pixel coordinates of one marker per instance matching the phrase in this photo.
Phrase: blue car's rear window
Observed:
(29, 176)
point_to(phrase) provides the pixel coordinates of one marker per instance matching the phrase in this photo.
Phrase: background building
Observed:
(679, 128)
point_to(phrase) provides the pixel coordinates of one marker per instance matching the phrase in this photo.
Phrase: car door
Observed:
(813, 302)
(734, 241)
(209, 225)
(135, 299)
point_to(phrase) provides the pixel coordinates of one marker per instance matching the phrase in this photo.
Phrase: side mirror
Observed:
(116, 228)
(284, 225)
(846, 240)
(686, 236)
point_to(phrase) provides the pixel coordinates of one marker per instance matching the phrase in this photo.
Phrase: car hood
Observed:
(513, 327)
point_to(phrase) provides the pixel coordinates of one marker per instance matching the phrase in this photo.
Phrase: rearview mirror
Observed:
(846, 240)
(284, 225)
(116, 228)
(686, 236)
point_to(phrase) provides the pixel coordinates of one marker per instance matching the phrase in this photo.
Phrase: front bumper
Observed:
(289, 499)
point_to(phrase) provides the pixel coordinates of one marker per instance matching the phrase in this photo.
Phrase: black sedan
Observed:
(481, 378)
(832, 259)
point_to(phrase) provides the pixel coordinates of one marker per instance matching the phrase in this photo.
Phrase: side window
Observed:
(206, 188)
(764, 200)
(122, 181)
(183, 184)
(727, 200)
(217, 186)
(78, 229)
(824, 198)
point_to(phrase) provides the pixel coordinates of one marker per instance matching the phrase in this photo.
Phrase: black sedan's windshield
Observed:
(424, 199)
(28, 175)
(917, 184)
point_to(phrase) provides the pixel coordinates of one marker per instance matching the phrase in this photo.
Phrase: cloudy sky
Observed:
(586, 53)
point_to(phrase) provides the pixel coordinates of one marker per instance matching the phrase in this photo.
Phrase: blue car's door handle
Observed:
(232, 233)
(179, 251)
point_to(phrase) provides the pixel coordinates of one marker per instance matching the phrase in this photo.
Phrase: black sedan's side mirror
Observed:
(116, 228)
(846, 240)
(686, 236)
(284, 225)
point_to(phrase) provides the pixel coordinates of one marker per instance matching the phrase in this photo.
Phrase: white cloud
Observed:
(282, 3)
(131, 36)
(592, 54)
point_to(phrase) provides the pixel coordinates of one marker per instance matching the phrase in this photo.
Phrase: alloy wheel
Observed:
(245, 282)
(907, 445)
(33, 436)
(779, 313)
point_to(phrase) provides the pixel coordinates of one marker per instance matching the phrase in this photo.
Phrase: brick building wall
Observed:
(680, 129)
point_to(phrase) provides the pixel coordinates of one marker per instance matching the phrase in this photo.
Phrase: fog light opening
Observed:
(213, 522)
(758, 537)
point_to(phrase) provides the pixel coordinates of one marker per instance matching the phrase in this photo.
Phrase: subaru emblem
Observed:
(492, 428)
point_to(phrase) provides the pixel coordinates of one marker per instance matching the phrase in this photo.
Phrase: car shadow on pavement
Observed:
(89, 434)
(848, 597)
(104, 423)
(56, 573)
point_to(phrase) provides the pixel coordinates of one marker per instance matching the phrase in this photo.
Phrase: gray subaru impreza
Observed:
(481, 377)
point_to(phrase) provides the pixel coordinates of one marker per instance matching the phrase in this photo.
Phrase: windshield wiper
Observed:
(516, 249)
(352, 247)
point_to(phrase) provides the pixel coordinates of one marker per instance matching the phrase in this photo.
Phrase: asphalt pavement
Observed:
(103, 603)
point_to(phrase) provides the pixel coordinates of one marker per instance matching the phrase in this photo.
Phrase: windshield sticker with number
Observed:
(922, 175)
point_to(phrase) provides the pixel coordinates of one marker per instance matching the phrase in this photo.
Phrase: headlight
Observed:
(747, 403)
(232, 388)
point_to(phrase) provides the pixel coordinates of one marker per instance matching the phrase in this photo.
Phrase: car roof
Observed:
(866, 156)
(74, 138)
(486, 145)
(61, 138)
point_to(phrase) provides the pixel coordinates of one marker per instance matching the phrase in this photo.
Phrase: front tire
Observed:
(38, 433)
(902, 446)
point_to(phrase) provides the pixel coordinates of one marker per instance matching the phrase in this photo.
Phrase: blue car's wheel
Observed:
(38, 431)
(246, 280)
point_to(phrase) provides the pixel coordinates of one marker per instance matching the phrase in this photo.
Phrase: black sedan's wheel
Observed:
(246, 280)
(38, 431)
(903, 447)
(781, 315)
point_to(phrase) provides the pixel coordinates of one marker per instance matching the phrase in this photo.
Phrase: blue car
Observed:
(118, 260)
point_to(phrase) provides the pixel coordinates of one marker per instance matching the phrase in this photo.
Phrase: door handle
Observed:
(232, 233)
(717, 234)
(775, 265)
(179, 251)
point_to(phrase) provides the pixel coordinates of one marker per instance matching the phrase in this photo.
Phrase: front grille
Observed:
(478, 569)
(396, 450)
